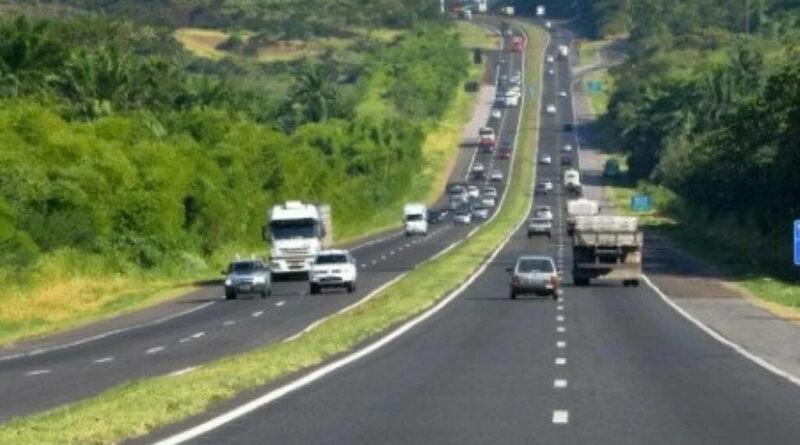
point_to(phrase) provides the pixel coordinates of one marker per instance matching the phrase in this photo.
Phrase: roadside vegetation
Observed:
(127, 160)
(704, 111)
(139, 407)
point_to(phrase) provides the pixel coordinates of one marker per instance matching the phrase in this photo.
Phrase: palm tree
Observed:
(315, 93)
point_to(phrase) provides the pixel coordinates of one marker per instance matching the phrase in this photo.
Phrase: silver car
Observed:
(480, 211)
(247, 277)
(534, 274)
(540, 226)
(462, 215)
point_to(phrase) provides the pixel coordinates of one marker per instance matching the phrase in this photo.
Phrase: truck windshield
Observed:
(293, 228)
(535, 265)
(414, 217)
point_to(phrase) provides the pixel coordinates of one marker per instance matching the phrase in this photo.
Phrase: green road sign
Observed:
(641, 203)
(594, 86)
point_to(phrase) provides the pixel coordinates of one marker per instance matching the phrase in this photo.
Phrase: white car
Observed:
(488, 201)
(550, 58)
(516, 79)
(333, 268)
(551, 109)
(490, 192)
(462, 215)
(568, 148)
(496, 175)
(478, 170)
(548, 24)
(480, 211)
(543, 212)
(496, 113)
(546, 160)
(548, 185)
(562, 94)
(473, 191)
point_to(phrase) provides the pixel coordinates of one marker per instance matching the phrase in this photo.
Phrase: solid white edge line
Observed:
(560, 416)
(183, 371)
(103, 360)
(154, 350)
(720, 338)
(105, 334)
(277, 393)
(37, 372)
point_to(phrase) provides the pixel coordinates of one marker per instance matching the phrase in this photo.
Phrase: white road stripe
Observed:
(363, 266)
(561, 344)
(184, 340)
(559, 383)
(154, 350)
(258, 313)
(103, 360)
(280, 303)
(561, 361)
(37, 372)
(560, 307)
(199, 334)
(560, 416)
(559, 318)
(561, 329)
(229, 323)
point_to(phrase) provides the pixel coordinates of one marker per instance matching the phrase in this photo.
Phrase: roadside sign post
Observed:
(641, 203)
(797, 242)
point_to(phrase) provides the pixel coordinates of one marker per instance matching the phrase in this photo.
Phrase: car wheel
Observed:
(230, 295)
(263, 294)
(555, 294)
(313, 289)
(635, 283)
(529, 235)
(351, 287)
(513, 295)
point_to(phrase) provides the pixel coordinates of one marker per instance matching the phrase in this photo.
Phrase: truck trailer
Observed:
(580, 207)
(607, 247)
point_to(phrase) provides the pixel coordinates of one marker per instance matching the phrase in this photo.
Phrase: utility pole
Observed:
(747, 17)
(441, 6)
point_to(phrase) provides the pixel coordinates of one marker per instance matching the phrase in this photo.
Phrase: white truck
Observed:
(580, 207)
(297, 232)
(608, 247)
(572, 182)
(415, 218)
(563, 51)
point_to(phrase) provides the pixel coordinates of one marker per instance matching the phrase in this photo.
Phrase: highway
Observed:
(604, 364)
(46, 373)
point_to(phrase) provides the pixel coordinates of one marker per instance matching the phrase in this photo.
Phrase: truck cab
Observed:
(517, 44)
(486, 137)
(572, 181)
(415, 219)
(297, 232)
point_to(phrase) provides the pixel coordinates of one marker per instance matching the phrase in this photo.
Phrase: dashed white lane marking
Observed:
(408, 245)
(559, 318)
(363, 266)
(154, 350)
(37, 372)
(559, 383)
(561, 329)
(561, 361)
(103, 360)
(198, 335)
(258, 313)
(561, 344)
(280, 303)
(184, 340)
(560, 307)
(383, 257)
(391, 252)
(560, 416)
(228, 323)
(183, 371)
(374, 261)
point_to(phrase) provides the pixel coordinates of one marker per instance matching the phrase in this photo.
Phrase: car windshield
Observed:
(245, 267)
(534, 265)
(337, 258)
(414, 217)
(293, 228)
(485, 131)
(540, 221)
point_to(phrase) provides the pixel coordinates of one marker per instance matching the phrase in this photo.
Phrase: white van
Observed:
(415, 219)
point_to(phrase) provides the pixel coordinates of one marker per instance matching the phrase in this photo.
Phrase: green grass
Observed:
(142, 406)
(473, 36)
(590, 51)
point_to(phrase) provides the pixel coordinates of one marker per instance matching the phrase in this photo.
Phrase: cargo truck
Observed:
(572, 182)
(563, 51)
(415, 218)
(517, 44)
(297, 232)
(580, 207)
(607, 247)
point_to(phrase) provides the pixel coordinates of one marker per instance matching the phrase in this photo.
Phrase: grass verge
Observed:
(142, 406)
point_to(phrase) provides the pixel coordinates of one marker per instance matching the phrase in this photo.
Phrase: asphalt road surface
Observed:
(606, 364)
(32, 380)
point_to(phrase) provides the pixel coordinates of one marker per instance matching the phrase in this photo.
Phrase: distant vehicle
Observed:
(515, 79)
(546, 160)
(566, 160)
(500, 102)
(488, 201)
(473, 192)
(567, 148)
(543, 212)
(247, 277)
(457, 195)
(497, 113)
(540, 9)
(580, 207)
(333, 268)
(548, 24)
(503, 78)
(478, 171)
(466, 14)
(548, 185)
(540, 189)
(550, 58)
(490, 192)
(540, 226)
(480, 211)
(496, 175)
(518, 44)
(506, 147)
(572, 182)
(436, 216)
(462, 215)
(486, 137)
(508, 32)
(512, 99)
(569, 127)
(611, 169)
(607, 247)
(562, 94)
(534, 274)
(415, 218)
(563, 51)
(297, 232)
(551, 72)
(551, 109)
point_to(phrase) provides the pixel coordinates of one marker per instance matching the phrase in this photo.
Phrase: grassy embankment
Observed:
(139, 407)
(590, 56)
(64, 300)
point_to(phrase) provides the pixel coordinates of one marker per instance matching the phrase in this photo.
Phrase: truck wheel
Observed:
(529, 235)
(351, 287)
(264, 294)
(313, 289)
(635, 283)
(230, 295)
(555, 294)
(513, 295)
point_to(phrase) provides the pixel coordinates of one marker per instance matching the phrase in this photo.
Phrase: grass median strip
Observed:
(139, 407)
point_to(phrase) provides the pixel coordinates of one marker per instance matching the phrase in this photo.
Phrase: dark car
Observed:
(505, 149)
(436, 216)
(566, 160)
(569, 127)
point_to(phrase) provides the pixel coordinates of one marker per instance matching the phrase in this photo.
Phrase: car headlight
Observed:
(259, 280)
(228, 281)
